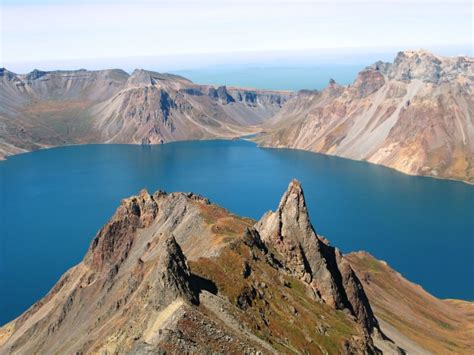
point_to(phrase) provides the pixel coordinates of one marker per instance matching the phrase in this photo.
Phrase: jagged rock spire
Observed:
(175, 275)
(291, 233)
(309, 257)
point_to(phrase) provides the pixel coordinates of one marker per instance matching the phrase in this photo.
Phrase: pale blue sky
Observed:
(187, 33)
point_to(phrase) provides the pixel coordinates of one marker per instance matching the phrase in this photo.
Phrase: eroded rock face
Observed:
(416, 65)
(414, 115)
(220, 94)
(355, 293)
(115, 239)
(310, 258)
(368, 81)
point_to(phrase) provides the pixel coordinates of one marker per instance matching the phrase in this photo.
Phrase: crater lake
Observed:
(53, 201)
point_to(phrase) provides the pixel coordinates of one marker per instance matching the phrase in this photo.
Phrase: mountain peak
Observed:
(35, 74)
(140, 77)
(382, 117)
(333, 88)
(147, 77)
(136, 293)
(367, 82)
(418, 57)
(294, 193)
(307, 256)
(416, 52)
(295, 185)
(290, 222)
(419, 64)
(114, 240)
(427, 67)
(4, 72)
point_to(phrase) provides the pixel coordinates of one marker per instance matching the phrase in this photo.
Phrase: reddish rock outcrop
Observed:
(114, 240)
(367, 82)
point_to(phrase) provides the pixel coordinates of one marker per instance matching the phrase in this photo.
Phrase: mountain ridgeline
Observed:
(174, 273)
(44, 109)
(415, 115)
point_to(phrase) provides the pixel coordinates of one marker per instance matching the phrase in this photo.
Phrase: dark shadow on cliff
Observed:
(198, 284)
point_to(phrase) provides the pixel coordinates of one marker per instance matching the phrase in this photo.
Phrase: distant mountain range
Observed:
(44, 109)
(173, 273)
(415, 115)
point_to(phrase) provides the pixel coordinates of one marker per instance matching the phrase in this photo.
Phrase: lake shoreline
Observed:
(249, 138)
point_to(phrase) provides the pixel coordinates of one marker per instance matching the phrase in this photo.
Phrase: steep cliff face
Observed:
(43, 109)
(415, 115)
(312, 259)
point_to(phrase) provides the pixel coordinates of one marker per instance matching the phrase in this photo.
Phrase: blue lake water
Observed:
(275, 78)
(53, 201)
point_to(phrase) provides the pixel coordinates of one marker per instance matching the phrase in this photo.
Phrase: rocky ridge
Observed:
(415, 115)
(175, 273)
(43, 109)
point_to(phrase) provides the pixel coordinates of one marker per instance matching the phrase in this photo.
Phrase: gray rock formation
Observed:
(311, 259)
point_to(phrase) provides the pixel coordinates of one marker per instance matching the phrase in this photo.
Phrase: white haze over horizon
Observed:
(186, 34)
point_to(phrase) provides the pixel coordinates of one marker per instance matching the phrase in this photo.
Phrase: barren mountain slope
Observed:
(415, 115)
(440, 326)
(43, 109)
(175, 273)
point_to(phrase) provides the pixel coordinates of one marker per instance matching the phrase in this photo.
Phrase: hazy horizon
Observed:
(276, 70)
(185, 62)
(185, 34)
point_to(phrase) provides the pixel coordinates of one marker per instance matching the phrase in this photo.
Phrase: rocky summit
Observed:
(312, 259)
(174, 273)
(414, 115)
